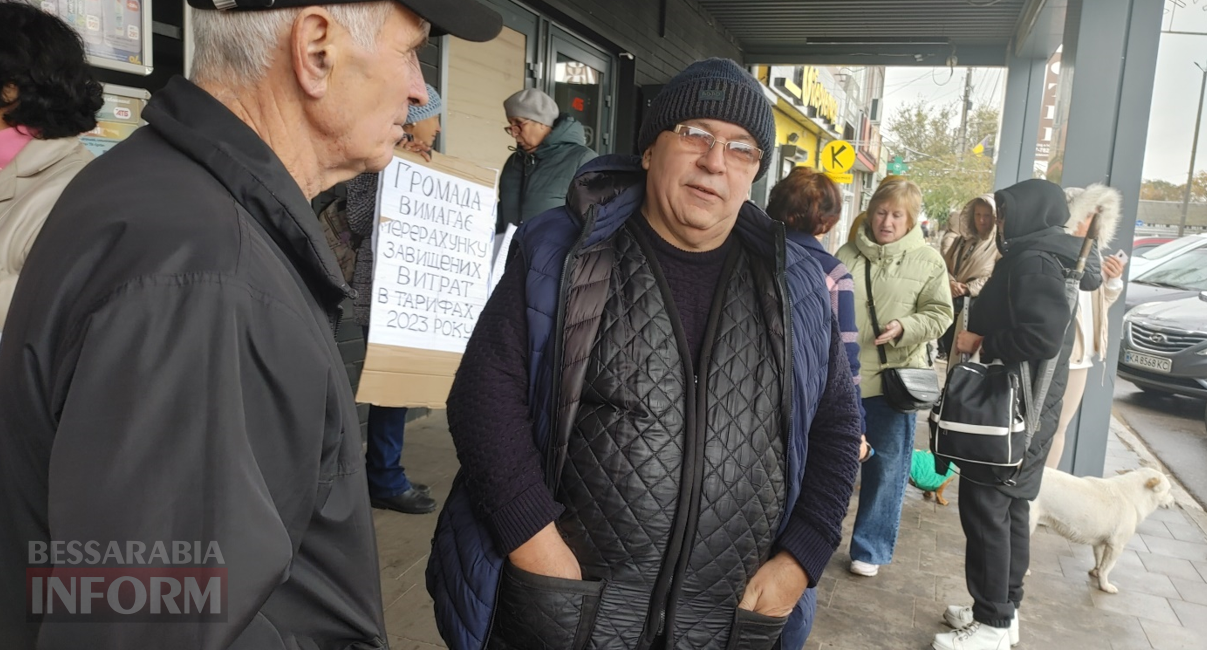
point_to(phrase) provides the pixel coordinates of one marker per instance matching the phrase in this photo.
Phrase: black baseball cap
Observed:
(467, 19)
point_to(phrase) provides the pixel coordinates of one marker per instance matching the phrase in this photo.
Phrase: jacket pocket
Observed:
(540, 612)
(753, 631)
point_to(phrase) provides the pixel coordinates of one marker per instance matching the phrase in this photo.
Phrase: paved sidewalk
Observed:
(1162, 578)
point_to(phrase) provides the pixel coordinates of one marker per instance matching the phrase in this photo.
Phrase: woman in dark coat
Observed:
(1021, 316)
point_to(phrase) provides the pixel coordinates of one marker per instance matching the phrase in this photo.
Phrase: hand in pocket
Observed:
(535, 612)
(753, 631)
(546, 554)
(776, 587)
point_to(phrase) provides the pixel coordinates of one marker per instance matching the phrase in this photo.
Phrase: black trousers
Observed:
(998, 551)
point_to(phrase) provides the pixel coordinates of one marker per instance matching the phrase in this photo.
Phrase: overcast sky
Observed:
(1175, 92)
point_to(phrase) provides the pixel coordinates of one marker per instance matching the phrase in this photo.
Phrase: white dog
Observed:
(1103, 513)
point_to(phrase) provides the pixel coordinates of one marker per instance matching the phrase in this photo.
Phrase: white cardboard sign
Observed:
(433, 249)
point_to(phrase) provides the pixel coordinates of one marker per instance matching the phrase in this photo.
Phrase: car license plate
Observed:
(1151, 362)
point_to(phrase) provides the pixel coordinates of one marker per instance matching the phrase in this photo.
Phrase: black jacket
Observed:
(1024, 312)
(168, 373)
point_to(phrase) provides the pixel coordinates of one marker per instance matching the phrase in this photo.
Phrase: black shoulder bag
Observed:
(905, 389)
(989, 413)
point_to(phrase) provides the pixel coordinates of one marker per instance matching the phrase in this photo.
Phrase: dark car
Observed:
(1183, 276)
(1165, 347)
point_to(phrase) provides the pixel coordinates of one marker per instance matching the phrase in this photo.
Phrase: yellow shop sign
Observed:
(805, 89)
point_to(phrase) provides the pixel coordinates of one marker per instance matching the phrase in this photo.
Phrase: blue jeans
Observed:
(800, 622)
(882, 486)
(383, 458)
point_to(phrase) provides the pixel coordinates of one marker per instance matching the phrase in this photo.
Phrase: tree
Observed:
(928, 138)
(1161, 190)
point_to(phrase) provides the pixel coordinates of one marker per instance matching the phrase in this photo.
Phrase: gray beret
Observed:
(532, 104)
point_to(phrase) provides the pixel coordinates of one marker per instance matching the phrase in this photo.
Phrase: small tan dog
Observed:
(1103, 513)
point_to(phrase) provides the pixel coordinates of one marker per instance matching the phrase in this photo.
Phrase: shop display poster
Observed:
(117, 119)
(116, 33)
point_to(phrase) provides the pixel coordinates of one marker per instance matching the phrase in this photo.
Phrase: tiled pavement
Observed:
(1162, 577)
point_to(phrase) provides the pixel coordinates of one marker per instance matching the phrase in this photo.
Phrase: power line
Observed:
(901, 84)
(951, 73)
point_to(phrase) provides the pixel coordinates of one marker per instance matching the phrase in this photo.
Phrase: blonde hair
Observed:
(898, 192)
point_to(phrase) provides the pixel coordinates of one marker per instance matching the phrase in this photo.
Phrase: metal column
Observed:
(1110, 48)
(1020, 121)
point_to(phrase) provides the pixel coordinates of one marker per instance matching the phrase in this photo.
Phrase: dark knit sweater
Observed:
(693, 279)
(491, 426)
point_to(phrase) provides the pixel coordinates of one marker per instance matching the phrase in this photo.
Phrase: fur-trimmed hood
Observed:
(1084, 201)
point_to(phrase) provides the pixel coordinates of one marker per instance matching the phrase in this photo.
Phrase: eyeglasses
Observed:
(513, 129)
(700, 141)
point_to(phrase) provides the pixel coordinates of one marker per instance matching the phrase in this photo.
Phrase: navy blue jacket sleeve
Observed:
(490, 424)
(815, 528)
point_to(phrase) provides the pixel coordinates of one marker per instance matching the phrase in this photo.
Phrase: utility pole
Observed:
(1194, 147)
(964, 112)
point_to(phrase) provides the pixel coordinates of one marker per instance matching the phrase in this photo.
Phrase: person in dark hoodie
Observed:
(1021, 316)
(550, 147)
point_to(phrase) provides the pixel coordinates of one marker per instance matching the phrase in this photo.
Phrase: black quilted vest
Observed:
(673, 478)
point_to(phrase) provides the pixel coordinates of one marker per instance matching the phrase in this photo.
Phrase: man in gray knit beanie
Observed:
(713, 89)
(655, 418)
(704, 141)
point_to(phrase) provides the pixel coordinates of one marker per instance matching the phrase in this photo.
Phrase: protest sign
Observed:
(433, 249)
(502, 245)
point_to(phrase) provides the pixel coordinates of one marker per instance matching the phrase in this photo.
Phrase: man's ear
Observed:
(313, 50)
(645, 158)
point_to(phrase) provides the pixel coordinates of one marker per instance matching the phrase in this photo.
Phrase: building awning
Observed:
(864, 162)
(875, 32)
(790, 87)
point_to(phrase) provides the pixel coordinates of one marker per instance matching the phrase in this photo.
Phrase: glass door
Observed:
(582, 79)
(478, 77)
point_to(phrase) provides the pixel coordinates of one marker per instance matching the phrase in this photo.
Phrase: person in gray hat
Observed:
(655, 418)
(550, 147)
(178, 433)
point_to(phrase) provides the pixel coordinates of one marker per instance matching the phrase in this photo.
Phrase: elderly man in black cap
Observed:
(180, 462)
(656, 424)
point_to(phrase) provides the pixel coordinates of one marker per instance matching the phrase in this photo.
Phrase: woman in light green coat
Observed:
(913, 307)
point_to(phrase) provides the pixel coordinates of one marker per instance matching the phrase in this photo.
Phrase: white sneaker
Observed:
(960, 617)
(973, 637)
(864, 569)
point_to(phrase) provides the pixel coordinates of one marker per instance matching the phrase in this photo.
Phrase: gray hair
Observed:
(238, 47)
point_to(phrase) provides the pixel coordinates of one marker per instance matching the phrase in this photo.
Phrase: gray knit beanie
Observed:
(712, 89)
(532, 104)
(416, 114)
